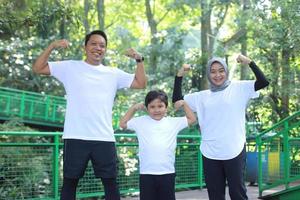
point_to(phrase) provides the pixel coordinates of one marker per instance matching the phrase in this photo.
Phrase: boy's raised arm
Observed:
(129, 114)
(188, 112)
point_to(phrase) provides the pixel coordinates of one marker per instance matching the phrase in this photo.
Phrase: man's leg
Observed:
(214, 178)
(235, 169)
(68, 191)
(111, 189)
(104, 160)
(76, 157)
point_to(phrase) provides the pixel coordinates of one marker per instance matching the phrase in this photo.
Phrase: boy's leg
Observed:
(148, 187)
(235, 169)
(166, 186)
(76, 157)
(104, 160)
(214, 178)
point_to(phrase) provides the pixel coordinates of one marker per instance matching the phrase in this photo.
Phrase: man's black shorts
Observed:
(77, 153)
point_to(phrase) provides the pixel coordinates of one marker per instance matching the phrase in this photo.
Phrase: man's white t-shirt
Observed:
(90, 96)
(157, 142)
(221, 116)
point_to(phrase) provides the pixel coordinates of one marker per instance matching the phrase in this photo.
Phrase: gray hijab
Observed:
(213, 87)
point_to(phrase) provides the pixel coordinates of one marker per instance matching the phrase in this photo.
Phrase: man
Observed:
(91, 88)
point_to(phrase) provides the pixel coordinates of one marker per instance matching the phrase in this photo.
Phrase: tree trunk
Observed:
(85, 19)
(101, 14)
(285, 89)
(205, 29)
(244, 68)
(153, 29)
(276, 109)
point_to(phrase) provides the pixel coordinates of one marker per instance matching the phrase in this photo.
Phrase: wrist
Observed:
(140, 59)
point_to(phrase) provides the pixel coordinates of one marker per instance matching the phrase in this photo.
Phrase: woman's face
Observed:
(217, 74)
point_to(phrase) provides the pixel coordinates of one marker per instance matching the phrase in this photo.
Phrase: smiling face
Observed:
(217, 74)
(157, 109)
(95, 49)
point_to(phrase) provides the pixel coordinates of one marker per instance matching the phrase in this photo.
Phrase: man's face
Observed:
(95, 49)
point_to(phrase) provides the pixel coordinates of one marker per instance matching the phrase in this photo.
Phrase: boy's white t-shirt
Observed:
(90, 96)
(221, 116)
(157, 142)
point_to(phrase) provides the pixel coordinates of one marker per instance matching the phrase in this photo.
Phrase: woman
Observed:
(221, 115)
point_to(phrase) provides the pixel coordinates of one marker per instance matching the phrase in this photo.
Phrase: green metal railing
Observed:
(279, 155)
(32, 107)
(31, 166)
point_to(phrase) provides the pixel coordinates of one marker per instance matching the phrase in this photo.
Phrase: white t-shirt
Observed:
(90, 96)
(157, 142)
(221, 116)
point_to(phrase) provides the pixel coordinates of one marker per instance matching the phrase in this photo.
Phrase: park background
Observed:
(167, 33)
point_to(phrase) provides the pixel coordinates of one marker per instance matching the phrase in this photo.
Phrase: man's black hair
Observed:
(156, 94)
(96, 32)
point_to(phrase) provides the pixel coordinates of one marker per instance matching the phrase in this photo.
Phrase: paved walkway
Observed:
(252, 192)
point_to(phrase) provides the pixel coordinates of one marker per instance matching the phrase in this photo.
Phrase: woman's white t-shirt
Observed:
(157, 142)
(90, 96)
(221, 116)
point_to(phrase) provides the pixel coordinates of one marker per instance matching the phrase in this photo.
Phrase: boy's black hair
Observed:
(96, 32)
(156, 94)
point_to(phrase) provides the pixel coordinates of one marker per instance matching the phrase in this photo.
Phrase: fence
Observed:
(31, 166)
(279, 155)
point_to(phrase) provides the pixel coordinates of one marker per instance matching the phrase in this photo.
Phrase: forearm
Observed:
(140, 79)
(261, 81)
(129, 114)
(177, 91)
(189, 114)
(41, 63)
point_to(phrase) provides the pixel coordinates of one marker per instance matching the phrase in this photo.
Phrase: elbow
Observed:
(141, 84)
(39, 68)
(35, 68)
(122, 125)
(265, 84)
(144, 83)
(173, 99)
(193, 120)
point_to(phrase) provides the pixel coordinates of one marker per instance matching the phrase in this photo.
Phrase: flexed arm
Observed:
(188, 112)
(40, 66)
(140, 79)
(129, 114)
(261, 81)
(177, 92)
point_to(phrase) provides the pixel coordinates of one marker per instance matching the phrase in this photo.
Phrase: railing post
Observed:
(286, 151)
(200, 168)
(47, 107)
(56, 166)
(22, 108)
(259, 159)
(7, 109)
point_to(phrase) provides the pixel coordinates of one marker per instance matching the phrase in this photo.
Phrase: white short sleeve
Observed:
(192, 101)
(124, 79)
(131, 124)
(248, 89)
(59, 69)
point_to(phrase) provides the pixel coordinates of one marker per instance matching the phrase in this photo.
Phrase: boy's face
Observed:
(157, 109)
